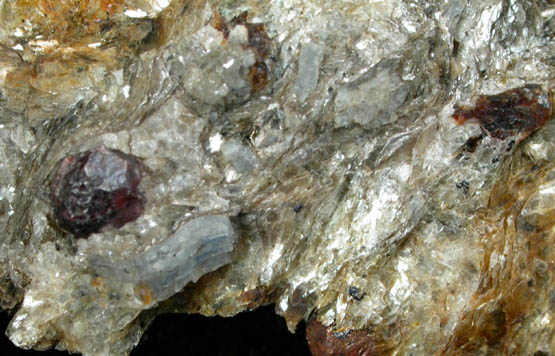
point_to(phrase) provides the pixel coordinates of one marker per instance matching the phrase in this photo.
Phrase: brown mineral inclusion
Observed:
(516, 112)
(259, 42)
(69, 22)
(323, 341)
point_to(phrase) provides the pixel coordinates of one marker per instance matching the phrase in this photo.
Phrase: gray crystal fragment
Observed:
(372, 99)
(239, 155)
(310, 60)
(200, 246)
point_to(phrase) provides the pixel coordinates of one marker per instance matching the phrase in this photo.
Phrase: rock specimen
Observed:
(384, 170)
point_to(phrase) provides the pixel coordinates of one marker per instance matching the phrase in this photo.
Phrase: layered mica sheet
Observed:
(383, 170)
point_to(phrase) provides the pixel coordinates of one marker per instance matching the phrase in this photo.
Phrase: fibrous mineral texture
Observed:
(384, 170)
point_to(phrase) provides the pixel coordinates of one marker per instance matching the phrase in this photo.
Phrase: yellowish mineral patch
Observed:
(55, 48)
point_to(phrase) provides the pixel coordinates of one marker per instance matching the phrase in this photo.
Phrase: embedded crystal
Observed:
(96, 188)
(200, 246)
(517, 112)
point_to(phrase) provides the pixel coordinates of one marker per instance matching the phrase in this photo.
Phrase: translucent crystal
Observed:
(200, 246)
(310, 60)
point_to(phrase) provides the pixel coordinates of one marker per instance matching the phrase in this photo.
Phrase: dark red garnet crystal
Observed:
(516, 113)
(96, 188)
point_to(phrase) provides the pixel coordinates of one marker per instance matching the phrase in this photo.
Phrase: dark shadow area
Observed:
(257, 333)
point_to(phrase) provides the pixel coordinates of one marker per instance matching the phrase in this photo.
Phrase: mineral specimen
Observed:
(383, 170)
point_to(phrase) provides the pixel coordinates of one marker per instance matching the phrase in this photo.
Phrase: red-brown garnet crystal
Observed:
(96, 188)
(517, 112)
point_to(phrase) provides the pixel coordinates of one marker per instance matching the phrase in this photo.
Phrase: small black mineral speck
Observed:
(510, 145)
(472, 143)
(464, 185)
(356, 293)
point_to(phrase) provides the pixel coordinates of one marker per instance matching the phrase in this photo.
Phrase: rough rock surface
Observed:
(384, 170)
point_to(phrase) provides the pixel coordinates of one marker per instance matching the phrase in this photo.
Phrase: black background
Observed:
(257, 333)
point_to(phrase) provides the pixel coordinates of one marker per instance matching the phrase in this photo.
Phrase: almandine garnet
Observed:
(96, 188)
